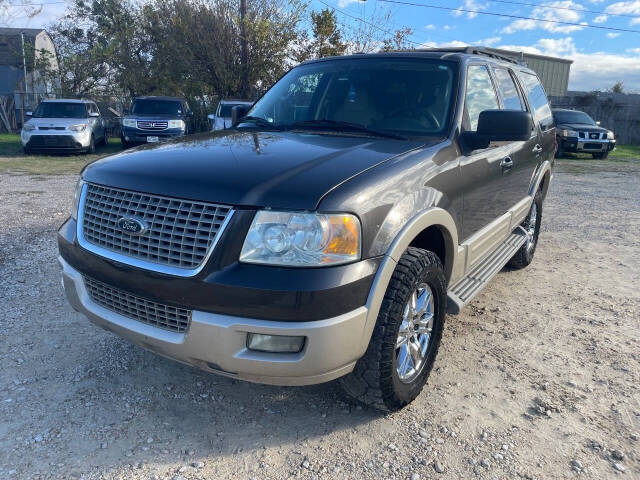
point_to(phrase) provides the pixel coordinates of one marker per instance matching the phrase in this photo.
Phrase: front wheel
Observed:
(601, 155)
(531, 225)
(406, 337)
(92, 145)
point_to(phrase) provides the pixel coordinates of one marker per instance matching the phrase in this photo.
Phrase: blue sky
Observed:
(601, 57)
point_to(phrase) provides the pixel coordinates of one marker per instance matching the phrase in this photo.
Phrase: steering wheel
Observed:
(416, 114)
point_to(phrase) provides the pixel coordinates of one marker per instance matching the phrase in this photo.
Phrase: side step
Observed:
(460, 294)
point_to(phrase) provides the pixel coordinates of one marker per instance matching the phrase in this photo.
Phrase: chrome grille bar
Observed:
(178, 238)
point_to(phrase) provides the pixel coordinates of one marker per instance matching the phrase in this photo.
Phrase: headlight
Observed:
(76, 198)
(568, 133)
(176, 124)
(27, 127)
(129, 122)
(302, 239)
(610, 135)
(81, 127)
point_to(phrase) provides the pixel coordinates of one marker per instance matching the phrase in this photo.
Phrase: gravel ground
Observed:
(538, 378)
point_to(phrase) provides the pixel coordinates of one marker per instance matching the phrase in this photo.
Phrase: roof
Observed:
(529, 55)
(159, 97)
(234, 100)
(28, 32)
(66, 100)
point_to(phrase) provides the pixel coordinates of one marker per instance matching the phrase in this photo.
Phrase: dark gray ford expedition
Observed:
(327, 234)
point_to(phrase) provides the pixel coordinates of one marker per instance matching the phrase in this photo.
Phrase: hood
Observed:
(55, 122)
(155, 116)
(263, 169)
(581, 127)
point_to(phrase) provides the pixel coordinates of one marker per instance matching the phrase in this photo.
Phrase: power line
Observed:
(504, 15)
(377, 27)
(511, 2)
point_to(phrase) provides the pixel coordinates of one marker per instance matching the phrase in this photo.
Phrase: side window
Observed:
(480, 95)
(95, 108)
(509, 93)
(537, 100)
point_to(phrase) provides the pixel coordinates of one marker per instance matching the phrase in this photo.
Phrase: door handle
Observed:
(506, 164)
(537, 148)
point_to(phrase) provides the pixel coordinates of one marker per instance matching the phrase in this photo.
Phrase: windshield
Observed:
(156, 107)
(61, 110)
(572, 117)
(225, 109)
(407, 96)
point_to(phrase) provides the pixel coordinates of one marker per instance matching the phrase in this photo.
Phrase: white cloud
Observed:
(568, 11)
(600, 19)
(447, 27)
(469, 5)
(589, 71)
(431, 26)
(635, 21)
(612, 35)
(489, 41)
(628, 8)
(344, 3)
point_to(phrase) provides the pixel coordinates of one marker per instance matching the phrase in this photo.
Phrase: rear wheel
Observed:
(531, 225)
(406, 336)
(560, 150)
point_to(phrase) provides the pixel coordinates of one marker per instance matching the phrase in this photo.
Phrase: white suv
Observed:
(64, 125)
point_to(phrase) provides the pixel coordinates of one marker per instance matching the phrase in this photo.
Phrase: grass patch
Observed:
(13, 159)
(626, 152)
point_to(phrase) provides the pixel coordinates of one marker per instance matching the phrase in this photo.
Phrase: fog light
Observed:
(274, 343)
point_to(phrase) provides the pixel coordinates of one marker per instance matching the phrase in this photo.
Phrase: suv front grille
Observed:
(179, 234)
(136, 308)
(149, 125)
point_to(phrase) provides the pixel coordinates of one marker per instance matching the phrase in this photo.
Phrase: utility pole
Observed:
(243, 52)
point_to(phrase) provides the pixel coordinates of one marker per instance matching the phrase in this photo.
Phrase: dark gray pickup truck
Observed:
(328, 232)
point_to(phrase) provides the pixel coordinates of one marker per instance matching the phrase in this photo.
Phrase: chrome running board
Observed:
(461, 294)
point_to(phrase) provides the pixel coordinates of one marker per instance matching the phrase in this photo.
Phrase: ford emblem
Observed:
(132, 226)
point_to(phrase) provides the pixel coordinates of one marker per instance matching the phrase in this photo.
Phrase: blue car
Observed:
(154, 119)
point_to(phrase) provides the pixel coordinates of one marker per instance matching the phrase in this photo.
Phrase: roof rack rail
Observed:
(475, 51)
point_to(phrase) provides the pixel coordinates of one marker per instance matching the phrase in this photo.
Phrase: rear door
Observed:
(524, 156)
(539, 105)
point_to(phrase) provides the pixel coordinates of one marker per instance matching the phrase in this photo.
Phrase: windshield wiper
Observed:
(343, 126)
(261, 122)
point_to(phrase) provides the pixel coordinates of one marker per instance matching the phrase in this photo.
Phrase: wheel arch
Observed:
(432, 225)
(542, 179)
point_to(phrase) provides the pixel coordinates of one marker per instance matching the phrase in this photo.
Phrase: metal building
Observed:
(553, 71)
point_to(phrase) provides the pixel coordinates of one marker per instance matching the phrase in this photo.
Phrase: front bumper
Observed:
(135, 135)
(217, 342)
(585, 145)
(56, 140)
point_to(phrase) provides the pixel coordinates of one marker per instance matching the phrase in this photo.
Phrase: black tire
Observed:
(92, 145)
(524, 256)
(560, 150)
(375, 380)
(601, 155)
(125, 144)
(105, 139)
(26, 150)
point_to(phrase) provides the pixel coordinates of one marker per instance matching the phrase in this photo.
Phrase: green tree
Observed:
(327, 37)
(618, 87)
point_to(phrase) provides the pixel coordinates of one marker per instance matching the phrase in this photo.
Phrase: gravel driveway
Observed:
(538, 378)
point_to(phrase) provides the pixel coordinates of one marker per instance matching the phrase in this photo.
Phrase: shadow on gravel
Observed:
(144, 408)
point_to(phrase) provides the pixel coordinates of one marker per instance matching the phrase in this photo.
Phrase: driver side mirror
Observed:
(238, 113)
(499, 126)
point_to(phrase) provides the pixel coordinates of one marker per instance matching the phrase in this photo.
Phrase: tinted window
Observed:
(225, 109)
(508, 91)
(573, 117)
(156, 107)
(537, 100)
(399, 95)
(61, 110)
(480, 95)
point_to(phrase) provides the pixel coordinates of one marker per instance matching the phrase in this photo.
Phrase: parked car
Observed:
(326, 234)
(64, 126)
(222, 118)
(153, 119)
(577, 132)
